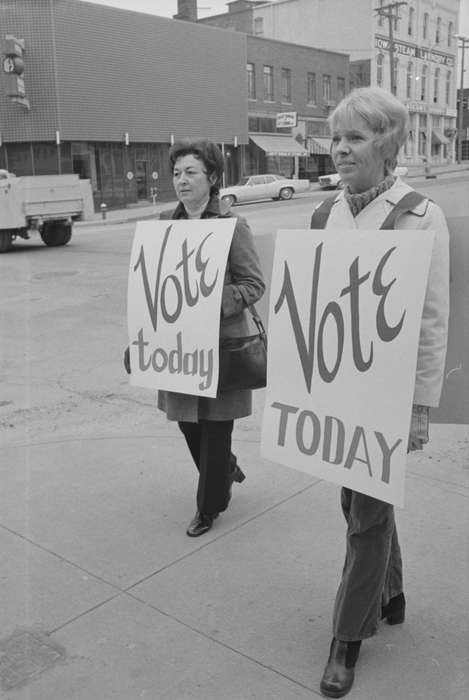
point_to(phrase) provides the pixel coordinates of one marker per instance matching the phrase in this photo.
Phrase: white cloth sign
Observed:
(344, 321)
(175, 285)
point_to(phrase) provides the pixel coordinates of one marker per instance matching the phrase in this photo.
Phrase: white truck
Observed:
(41, 204)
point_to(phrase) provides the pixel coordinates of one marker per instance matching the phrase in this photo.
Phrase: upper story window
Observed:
(423, 83)
(436, 85)
(438, 30)
(409, 80)
(269, 83)
(286, 85)
(410, 26)
(448, 87)
(258, 26)
(380, 16)
(425, 25)
(311, 88)
(450, 33)
(326, 88)
(340, 88)
(379, 69)
(251, 77)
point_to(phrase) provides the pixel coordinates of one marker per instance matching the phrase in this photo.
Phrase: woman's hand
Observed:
(418, 435)
(127, 360)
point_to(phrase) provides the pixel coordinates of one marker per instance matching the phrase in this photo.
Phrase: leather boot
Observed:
(339, 673)
(200, 523)
(394, 611)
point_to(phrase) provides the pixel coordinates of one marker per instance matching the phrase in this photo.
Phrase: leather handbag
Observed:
(243, 361)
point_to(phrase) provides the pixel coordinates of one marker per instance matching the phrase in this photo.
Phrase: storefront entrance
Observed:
(141, 178)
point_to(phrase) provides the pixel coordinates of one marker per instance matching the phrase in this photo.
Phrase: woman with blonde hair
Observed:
(368, 127)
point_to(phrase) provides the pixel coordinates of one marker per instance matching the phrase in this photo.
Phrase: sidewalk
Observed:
(145, 210)
(104, 597)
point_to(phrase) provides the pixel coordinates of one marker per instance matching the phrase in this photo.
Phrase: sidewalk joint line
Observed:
(187, 555)
(225, 645)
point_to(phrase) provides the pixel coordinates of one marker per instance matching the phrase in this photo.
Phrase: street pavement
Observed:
(104, 597)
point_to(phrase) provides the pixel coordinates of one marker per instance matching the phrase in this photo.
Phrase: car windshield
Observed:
(243, 181)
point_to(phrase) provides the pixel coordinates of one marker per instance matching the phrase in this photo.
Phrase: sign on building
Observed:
(286, 120)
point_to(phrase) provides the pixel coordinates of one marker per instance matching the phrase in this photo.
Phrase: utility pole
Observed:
(391, 11)
(464, 42)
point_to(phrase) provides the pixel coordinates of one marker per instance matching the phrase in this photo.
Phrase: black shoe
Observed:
(237, 475)
(200, 523)
(339, 673)
(394, 611)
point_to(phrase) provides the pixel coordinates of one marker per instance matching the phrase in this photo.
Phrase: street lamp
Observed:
(464, 42)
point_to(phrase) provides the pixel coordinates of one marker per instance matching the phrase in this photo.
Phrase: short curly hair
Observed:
(206, 151)
(384, 114)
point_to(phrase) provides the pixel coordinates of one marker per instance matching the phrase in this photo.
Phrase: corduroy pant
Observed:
(209, 443)
(372, 572)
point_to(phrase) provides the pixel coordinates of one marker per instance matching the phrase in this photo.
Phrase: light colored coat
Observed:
(243, 286)
(434, 325)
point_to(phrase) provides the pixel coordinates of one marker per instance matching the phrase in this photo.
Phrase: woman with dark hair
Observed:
(207, 423)
(368, 128)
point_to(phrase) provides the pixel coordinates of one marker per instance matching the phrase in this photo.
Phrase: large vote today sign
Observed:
(344, 322)
(175, 285)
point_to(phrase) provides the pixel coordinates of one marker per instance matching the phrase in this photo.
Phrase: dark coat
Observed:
(243, 285)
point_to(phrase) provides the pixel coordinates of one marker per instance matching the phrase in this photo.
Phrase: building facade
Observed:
(291, 90)
(424, 64)
(105, 92)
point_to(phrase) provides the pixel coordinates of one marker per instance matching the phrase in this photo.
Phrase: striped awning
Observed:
(278, 145)
(319, 146)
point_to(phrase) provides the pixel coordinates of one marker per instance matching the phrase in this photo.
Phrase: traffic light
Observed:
(13, 67)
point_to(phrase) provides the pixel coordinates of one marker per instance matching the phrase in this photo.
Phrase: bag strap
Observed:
(408, 202)
(321, 213)
(257, 320)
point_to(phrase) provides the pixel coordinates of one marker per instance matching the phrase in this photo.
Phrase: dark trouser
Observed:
(209, 443)
(372, 571)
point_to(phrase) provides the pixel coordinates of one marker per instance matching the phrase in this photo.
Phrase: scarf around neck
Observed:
(359, 200)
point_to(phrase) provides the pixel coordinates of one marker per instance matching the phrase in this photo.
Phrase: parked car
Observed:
(333, 181)
(255, 187)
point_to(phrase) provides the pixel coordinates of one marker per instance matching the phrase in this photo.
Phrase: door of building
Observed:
(141, 177)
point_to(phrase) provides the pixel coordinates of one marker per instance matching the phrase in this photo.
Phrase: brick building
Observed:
(106, 90)
(301, 83)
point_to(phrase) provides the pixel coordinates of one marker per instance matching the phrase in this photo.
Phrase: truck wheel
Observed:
(56, 233)
(5, 241)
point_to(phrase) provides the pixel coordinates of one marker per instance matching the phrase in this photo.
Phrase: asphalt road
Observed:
(63, 322)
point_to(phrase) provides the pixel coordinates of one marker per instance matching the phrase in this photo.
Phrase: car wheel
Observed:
(229, 199)
(285, 193)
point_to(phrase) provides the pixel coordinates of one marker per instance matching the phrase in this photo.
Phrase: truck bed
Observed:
(51, 196)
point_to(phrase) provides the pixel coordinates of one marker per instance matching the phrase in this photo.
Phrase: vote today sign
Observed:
(175, 285)
(344, 322)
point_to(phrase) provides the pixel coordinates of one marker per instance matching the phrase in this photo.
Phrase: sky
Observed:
(168, 8)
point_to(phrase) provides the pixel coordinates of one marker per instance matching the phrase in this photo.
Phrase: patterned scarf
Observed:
(359, 200)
